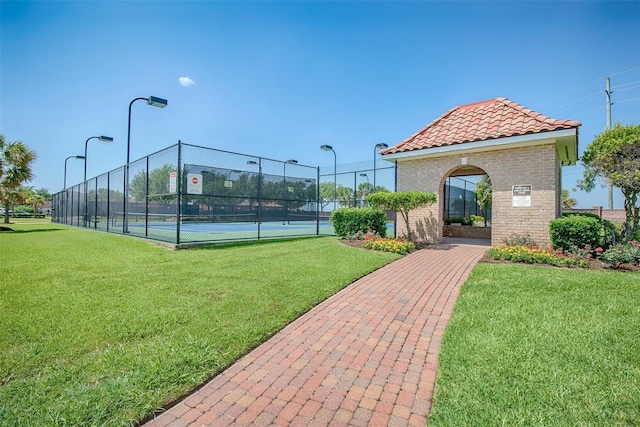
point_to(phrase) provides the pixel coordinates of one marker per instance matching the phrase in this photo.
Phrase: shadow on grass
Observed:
(226, 245)
(8, 230)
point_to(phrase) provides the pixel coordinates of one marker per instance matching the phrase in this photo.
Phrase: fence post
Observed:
(108, 200)
(146, 201)
(179, 192)
(318, 202)
(355, 189)
(95, 211)
(259, 194)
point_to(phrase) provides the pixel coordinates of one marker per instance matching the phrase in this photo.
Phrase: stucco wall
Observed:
(537, 166)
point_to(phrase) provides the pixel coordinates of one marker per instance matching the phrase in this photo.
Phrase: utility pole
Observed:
(608, 93)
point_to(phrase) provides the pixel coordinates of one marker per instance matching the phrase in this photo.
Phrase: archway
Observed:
(465, 210)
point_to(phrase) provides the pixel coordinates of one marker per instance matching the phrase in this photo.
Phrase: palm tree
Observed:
(35, 200)
(15, 169)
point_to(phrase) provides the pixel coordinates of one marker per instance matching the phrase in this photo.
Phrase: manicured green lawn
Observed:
(540, 346)
(100, 329)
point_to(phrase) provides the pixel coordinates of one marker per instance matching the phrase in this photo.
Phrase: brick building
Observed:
(522, 152)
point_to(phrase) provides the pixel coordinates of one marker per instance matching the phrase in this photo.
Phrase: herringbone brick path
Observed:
(365, 357)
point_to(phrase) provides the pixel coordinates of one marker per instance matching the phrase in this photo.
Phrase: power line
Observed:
(599, 79)
(626, 100)
(622, 72)
(592, 95)
(588, 111)
(627, 84)
(622, 90)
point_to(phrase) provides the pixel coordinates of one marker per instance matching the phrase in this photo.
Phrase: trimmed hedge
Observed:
(585, 214)
(348, 222)
(575, 231)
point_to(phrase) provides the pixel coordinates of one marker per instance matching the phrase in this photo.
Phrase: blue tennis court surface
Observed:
(191, 232)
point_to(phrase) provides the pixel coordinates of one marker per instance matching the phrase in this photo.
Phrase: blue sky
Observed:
(279, 79)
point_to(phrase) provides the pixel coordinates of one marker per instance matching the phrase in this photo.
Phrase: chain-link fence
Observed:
(188, 194)
(347, 185)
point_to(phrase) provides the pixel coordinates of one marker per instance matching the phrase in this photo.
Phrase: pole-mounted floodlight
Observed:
(379, 146)
(66, 202)
(364, 175)
(154, 101)
(326, 147)
(100, 138)
(232, 171)
(65, 168)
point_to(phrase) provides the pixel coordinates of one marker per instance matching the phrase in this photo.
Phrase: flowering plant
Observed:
(531, 255)
(398, 246)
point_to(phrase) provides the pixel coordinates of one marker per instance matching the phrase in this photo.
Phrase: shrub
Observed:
(23, 209)
(611, 233)
(621, 254)
(477, 220)
(351, 221)
(397, 246)
(583, 214)
(575, 230)
(455, 220)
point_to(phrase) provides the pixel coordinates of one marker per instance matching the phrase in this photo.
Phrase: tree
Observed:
(568, 202)
(15, 169)
(364, 189)
(35, 200)
(402, 202)
(615, 156)
(326, 194)
(484, 196)
(345, 195)
(158, 185)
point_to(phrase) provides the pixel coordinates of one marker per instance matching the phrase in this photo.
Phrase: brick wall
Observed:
(537, 166)
(608, 214)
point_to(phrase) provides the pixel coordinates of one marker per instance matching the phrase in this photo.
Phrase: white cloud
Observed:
(186, 81)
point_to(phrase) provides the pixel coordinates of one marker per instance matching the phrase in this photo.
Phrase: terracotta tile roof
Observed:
(490, 119)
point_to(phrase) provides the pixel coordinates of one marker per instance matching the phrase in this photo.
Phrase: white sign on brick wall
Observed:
(521, 196)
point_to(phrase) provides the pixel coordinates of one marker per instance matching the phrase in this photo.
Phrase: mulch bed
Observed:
(352, 243)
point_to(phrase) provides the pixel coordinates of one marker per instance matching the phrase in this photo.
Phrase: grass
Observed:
(540, 346)
(101, 329)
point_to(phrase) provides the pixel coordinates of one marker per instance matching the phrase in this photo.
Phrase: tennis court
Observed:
(194, 229)
(192, 194)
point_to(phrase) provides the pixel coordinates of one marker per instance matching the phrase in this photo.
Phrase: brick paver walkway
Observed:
(366, 356)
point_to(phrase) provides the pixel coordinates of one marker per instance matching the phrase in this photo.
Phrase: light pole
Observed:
(66, 193)
(154, 102)
(364, 192)
(379, 146)
(259, 164)
(65, 168)
(100, 138)
(326, 147)
(229, 174)
(284, 187)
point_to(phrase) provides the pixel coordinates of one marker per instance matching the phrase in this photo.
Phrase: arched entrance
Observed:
(522, 151)
(466, 211)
